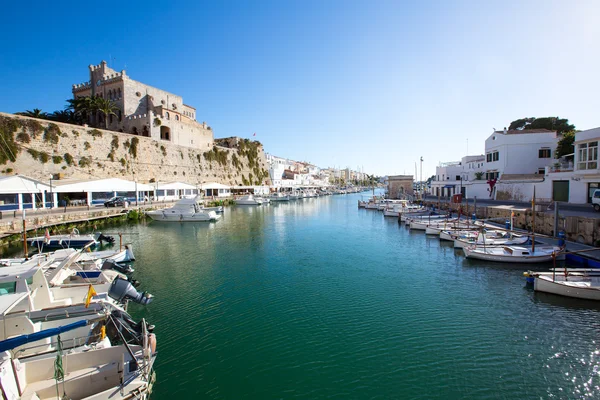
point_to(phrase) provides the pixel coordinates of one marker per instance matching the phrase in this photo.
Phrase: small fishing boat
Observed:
(580, 283)
(73, 240)
(514, 254)
(249, 200)
(490, 238)
(185, 210)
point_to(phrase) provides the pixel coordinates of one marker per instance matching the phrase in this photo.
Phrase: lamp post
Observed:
(421, 179)
(51, 194)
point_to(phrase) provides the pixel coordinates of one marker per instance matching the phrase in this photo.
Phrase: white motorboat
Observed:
(580, 283)
(249, 200)
(451, 235)
(96, 369)
(73, 240)
(279, 197)
(185, 210)
(514, 254)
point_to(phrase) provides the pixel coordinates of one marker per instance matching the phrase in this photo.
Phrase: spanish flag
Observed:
(88, 298)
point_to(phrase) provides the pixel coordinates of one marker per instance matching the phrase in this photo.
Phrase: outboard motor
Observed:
(122, 289)
(107, 239)
(123, 268)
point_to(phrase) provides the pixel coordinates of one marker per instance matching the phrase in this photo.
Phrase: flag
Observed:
(254, 134)
(102, 332)
(47, 236)
(88, 298)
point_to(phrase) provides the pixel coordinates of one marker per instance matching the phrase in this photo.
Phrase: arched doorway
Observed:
(165, 133)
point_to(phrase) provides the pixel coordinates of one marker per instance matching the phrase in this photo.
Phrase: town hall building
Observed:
(145, 110)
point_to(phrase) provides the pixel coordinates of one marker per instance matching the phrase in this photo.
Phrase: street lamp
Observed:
(51, 194)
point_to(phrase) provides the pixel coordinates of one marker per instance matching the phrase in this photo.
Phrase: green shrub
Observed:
(95, 133)
(123, 161)
(8, 146)
(163, 150)
(24, 137)
(69, 159)
(35, 127)
(85, 162)
(52, 133)
(34, 153)
(114, 144)
(75, 133)
(57, 159)
(44, 157)
(111, 156)
(134, 146)
(87, 146)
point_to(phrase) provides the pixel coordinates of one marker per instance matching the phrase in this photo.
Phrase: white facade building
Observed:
(576, 182)
(519, 152)
(458, 176)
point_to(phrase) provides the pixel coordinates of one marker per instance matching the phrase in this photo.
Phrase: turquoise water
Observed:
(318, 299)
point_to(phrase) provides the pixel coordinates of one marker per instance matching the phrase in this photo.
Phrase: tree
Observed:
(106, 107)
(84, 108)
(36, 113)
(565, 145)
(560, 125)
(67, 116)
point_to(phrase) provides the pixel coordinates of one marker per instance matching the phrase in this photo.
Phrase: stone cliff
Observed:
(40, 148)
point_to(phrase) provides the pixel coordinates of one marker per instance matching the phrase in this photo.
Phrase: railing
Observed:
(561, 168)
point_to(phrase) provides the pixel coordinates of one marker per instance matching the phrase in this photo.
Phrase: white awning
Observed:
(173, 185)
(22, 184)
(214, 185)
(100, 185)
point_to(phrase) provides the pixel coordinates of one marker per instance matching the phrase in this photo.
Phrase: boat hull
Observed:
(579, 290)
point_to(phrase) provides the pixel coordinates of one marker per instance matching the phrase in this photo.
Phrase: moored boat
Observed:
(514, 254)
(185, 210)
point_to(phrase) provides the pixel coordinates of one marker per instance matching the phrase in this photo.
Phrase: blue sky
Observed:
(372, 84)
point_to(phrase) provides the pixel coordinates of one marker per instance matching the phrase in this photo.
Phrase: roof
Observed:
(100, 185)
(214, 185)
(22, 184)
(519, 131)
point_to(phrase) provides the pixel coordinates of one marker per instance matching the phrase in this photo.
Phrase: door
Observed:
(560, 190)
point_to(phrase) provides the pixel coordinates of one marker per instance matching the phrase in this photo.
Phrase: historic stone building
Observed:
(400, 186)
(145, 110)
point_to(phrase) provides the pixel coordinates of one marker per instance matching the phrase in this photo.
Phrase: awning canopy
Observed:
(214, 185)
(174, 185)
(449, 186)
(101, 185)
(21, 184)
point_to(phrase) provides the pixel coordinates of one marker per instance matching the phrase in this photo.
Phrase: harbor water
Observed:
(318, 299)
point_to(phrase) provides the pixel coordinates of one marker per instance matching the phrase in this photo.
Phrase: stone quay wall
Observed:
(42, 148)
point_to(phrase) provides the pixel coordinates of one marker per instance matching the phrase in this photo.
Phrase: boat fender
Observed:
(152, 342)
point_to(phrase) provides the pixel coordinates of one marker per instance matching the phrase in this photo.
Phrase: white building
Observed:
(575, 182)
(458, 176)
(519, 152)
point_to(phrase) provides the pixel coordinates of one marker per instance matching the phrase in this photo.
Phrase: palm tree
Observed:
(106, 107)
(67, 116)
(36, 113)
(84, 108)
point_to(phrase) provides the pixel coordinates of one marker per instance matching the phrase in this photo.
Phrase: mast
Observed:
(533, 222)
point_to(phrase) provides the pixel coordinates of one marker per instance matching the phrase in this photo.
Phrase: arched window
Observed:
(167, 115)
(110, 94)
(176, 117)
